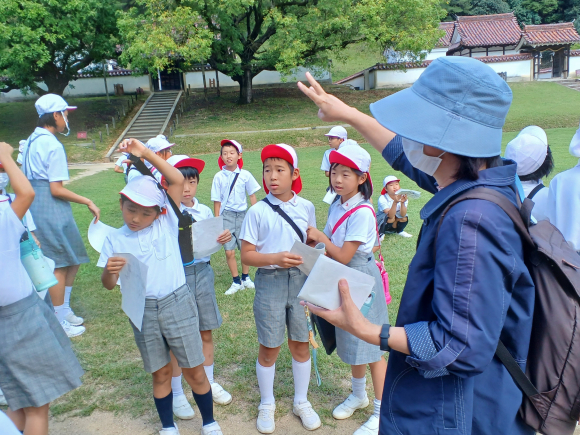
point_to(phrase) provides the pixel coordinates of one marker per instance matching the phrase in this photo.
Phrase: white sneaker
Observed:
(265, 423)
(74, 320)
(72, 331)
(3, 401)
(234, 288)
(248, 283)
(309, 417)
(405, 234)
(169, 431)
(349, 406)
(181, 408)
(220, 396)
(371, 427)
(211, 429)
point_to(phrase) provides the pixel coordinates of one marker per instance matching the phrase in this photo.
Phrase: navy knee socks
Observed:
(165, 410)
(205, 404)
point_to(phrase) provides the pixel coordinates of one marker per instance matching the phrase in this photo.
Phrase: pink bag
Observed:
(381, 263)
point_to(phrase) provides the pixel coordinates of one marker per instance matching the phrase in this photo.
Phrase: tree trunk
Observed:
(246, 96)
(56, 84)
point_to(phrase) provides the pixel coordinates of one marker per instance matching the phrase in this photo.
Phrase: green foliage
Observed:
(51, 41)
(544, 8)
(488, 7)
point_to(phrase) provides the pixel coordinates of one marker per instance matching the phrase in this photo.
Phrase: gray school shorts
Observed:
(276, 306)
(200, 279)
(233, 222)
(170, 323)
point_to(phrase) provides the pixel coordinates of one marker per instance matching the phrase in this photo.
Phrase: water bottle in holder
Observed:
(35, 263)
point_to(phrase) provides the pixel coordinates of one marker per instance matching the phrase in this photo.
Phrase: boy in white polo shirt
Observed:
(228, 193)
(336, 136)
(170, 319)
(392, 214)
(267, 237)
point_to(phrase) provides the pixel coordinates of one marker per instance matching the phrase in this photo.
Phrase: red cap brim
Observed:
(276, 152)
(221, 163)
(191, 163)
(341, 159)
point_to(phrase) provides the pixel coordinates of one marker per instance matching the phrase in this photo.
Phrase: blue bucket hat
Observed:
(458, 105)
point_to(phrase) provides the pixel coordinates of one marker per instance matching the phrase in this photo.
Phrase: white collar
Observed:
(235, 171)
(43, 131)
(352, 201)
(534, 182)
(275, 201)
(195, 205)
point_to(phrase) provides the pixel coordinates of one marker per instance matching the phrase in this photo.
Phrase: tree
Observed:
(251, 36)
(489, 7)
(51, 41)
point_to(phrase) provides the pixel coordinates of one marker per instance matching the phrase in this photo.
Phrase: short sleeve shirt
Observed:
(15, 284)
(269, 232)
(157, 247)
(386, 202)
(326, 160)
(361, 226)
(120, 163)
(199, 212)
(246, 184)
(44, 157)
(5, 203)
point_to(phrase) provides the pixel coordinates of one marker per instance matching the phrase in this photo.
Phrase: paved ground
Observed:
(89, 169)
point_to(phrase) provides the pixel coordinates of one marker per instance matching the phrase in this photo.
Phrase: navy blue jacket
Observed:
(454, 309)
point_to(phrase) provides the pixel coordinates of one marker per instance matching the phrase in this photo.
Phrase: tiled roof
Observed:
(354, 76)
(574, 52)
(505, 58)
(448, 26)
(407, 65)
(112, 73)
(488, 30)
(547, 34)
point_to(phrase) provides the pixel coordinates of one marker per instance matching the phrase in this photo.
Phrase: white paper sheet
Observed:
(329, 197)
(309, 255)
(134, 277)
(98, 232)
(205, 234)
(321, 287)
(411, 194)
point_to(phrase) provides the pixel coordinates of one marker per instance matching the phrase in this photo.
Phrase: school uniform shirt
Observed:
(236, 201)
(5, 203)
(361, 226)
(269, 232)
(540, 198)
(120, 163)
(326, 157)
(157, 247)
(386, 202)
(44, 157)
(199, 212)
(15, 284)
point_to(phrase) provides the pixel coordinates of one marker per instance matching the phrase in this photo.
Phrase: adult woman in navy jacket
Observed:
(442, 378)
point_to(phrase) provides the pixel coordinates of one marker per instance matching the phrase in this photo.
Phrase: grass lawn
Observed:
(353, 59)
(114, 379)
(18, 120)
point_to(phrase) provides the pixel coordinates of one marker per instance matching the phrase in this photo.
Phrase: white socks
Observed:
(266, 383)
(67, 291)
(209, 373)
(377, 405)
(359, 387)
(301, 372)
(60, 312)
(176, 386)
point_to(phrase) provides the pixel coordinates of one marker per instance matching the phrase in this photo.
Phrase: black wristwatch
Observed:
(385, 334)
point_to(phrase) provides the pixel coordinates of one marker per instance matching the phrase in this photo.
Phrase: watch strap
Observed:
(384, 335)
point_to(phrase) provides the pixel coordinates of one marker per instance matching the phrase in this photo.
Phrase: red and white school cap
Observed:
(144, 191)
(284, 152)
(237, 146)
(183, 161)
(353, 157)
(388, 179)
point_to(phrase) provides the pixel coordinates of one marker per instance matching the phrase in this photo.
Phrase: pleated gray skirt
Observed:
(56, 228)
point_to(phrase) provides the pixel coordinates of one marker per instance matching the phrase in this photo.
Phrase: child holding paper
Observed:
(37, 363)
(200, 279)
(350, 235)
(392, 215)
(170, 320)
(268, 232)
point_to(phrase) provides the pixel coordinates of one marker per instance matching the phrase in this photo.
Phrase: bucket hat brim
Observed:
(413, 117)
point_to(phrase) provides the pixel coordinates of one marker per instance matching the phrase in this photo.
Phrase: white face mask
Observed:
(3, 181)
(66, 122)
(414, 152)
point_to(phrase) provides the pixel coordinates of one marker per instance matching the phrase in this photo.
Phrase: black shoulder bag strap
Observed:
(185, 220)
(536, 190)
(287, 218)
(232, 186)
(520, 219)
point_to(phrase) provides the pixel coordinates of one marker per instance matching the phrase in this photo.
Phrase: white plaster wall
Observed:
(357, 82)
(574, 65)
(86, 87)
(386, 78)
(436, 52)
(516, 71)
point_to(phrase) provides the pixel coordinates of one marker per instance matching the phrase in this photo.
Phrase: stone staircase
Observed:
(571, 83)
(151, 120)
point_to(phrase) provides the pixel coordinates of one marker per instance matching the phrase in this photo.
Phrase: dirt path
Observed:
(89, 169)
(105, 423)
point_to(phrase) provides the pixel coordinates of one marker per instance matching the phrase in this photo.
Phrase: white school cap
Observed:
(144, 191)
(353, 157)
(348, 143)
(388, 179)
(337, 131)
(50, 103)
(284, 152)
(528, 151)
(536, 131)
(158, 143)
